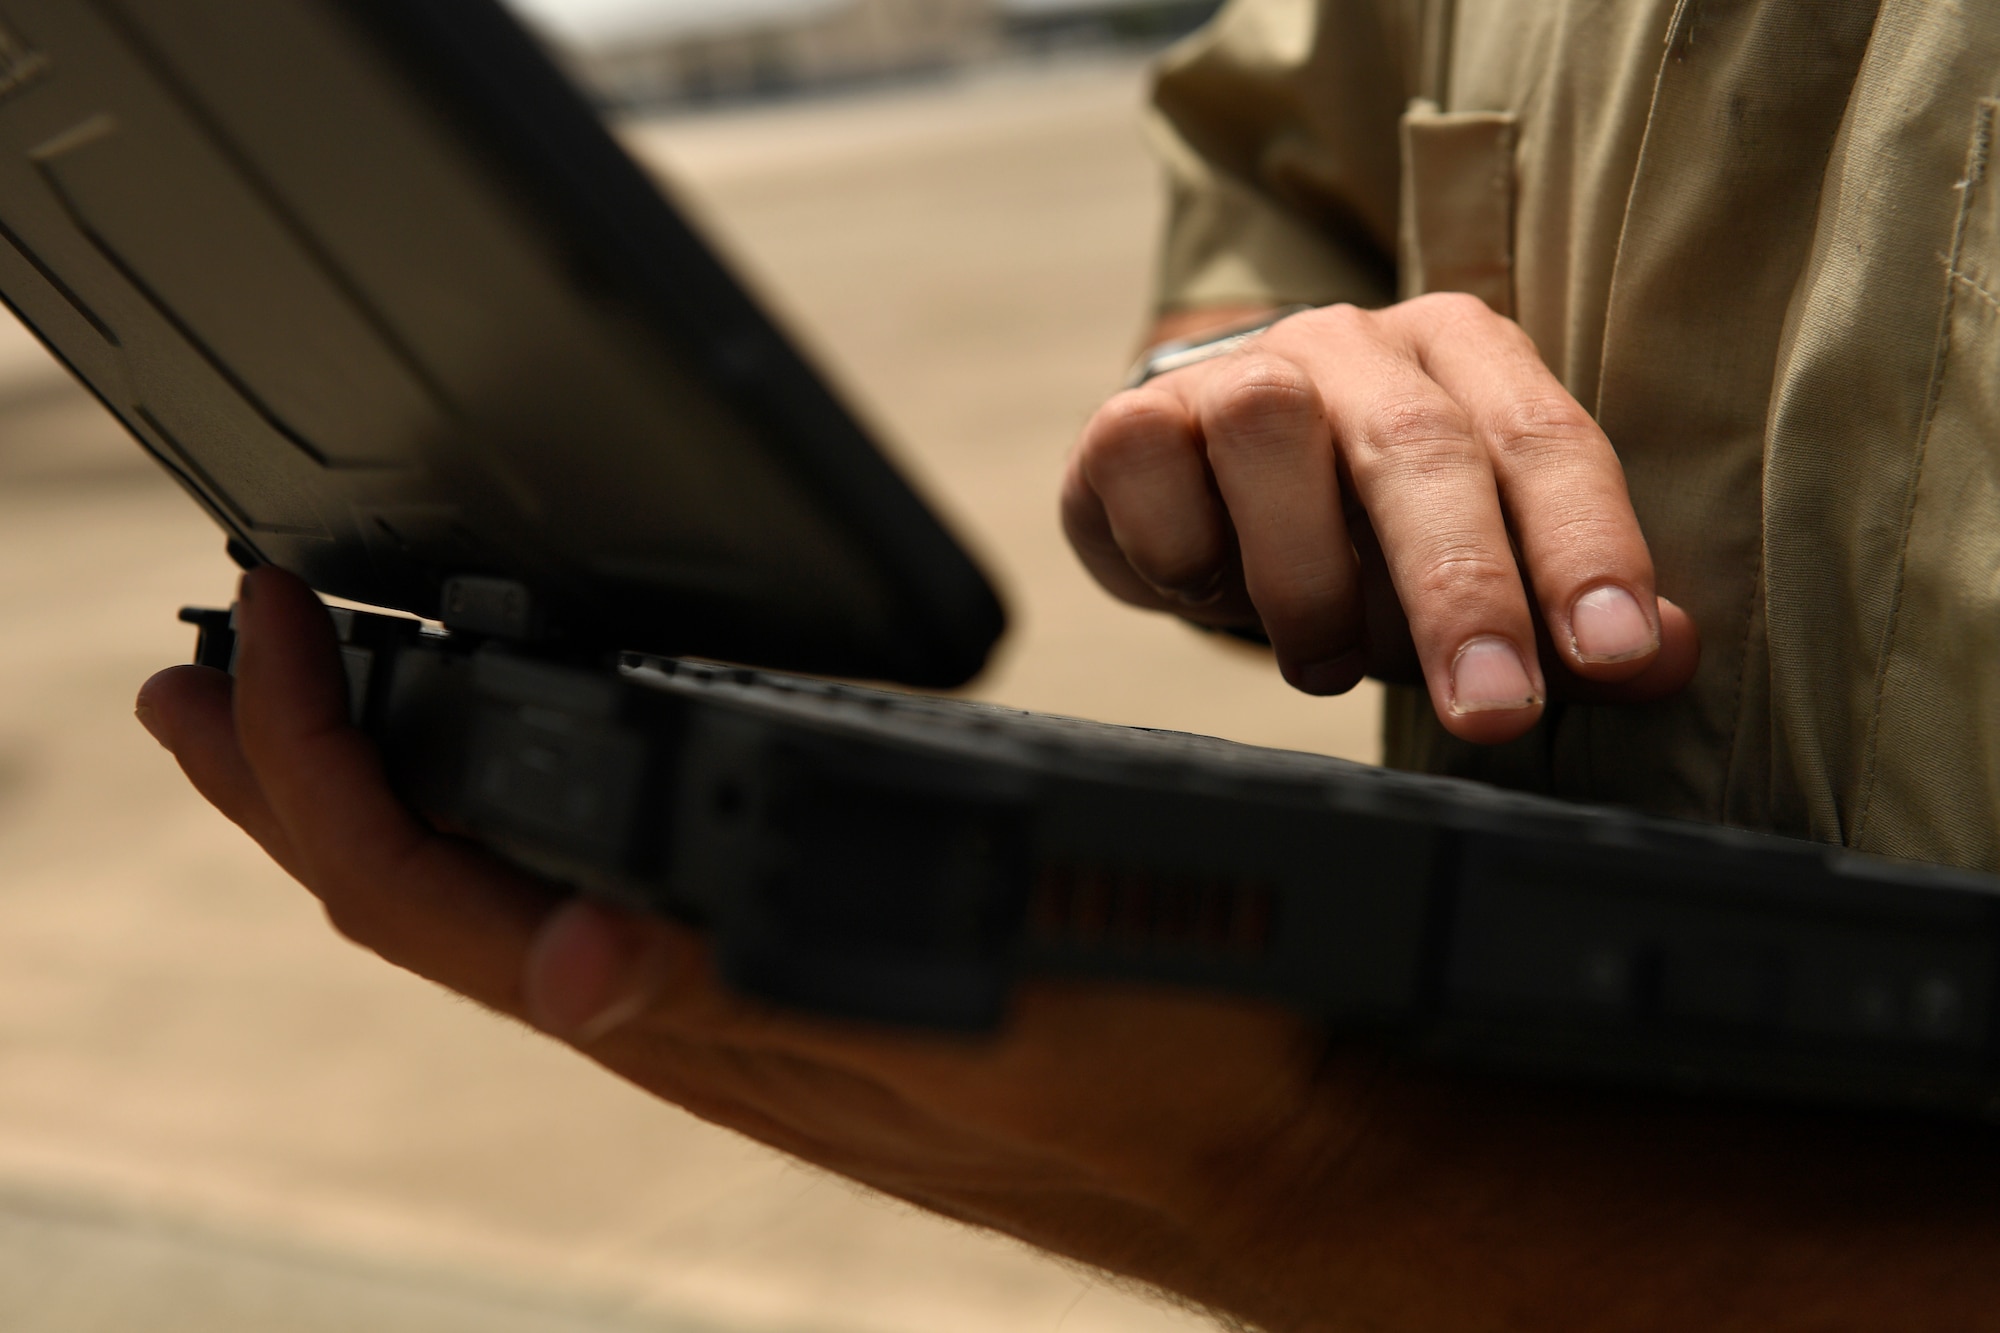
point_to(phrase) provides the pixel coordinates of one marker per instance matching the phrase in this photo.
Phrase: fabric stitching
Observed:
(1975, 176)
(1681, 27)
(1979, 291)
(1640, 165)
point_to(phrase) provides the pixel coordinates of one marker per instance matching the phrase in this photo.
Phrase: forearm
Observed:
(1461, 1202)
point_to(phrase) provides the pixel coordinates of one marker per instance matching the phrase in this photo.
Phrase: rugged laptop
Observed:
(372, 281)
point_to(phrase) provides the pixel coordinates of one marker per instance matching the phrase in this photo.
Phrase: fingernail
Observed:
(586, 978)
(1607, 625)
(1490, 677)
(1336, 676)
(151, 722)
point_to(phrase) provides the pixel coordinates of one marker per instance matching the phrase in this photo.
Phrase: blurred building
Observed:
(1050, 25)
(852, 42)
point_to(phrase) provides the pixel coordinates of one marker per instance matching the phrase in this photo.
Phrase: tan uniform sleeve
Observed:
(1277, 124)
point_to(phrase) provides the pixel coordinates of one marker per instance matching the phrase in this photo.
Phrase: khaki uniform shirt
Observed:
(1760, 241)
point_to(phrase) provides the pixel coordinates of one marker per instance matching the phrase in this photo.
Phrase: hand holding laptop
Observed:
(1428, 438)
(1218, 1149)
(373, 282)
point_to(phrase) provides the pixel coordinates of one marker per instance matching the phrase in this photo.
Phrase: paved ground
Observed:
(214, 1116)
(79, 1265)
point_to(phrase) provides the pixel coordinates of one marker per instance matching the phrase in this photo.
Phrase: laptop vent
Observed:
(1151, 912)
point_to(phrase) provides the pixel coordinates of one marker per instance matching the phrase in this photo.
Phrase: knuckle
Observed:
(1417, 424)
(1453, 308)
(1463, 573)
(1262, 399)
(1133, 422)
(1583, 543)
(1303, 594)
(1175, 568)
(1584, 529)
(1343, 320)
(1540, 427)
(1298, 319)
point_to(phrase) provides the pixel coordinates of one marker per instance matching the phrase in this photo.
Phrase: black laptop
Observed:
(372, 281)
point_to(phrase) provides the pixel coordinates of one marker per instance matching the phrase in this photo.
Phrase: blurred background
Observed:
(214, 1115)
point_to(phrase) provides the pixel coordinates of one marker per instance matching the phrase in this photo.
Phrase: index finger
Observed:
(1562, 487)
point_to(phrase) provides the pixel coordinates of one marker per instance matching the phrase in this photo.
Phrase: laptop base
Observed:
(911, 861)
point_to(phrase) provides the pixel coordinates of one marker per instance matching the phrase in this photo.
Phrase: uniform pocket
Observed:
(1458, 203)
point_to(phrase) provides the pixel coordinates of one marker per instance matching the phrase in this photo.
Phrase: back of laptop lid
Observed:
(375, 284)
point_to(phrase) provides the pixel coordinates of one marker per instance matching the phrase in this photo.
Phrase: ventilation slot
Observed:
(1143, 911)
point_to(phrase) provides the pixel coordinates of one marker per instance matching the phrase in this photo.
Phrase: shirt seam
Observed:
(1975, 176)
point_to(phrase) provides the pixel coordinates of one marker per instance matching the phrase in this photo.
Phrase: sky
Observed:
(586, 21)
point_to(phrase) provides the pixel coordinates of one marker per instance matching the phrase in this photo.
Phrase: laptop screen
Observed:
(376, 285)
